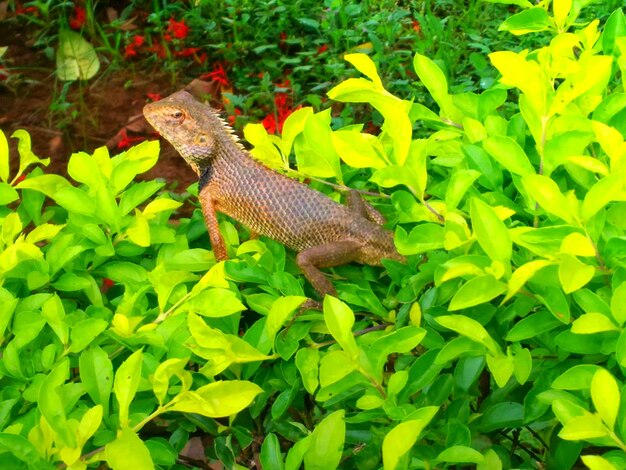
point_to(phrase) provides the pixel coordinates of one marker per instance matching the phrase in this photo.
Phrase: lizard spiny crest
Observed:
(195, 130)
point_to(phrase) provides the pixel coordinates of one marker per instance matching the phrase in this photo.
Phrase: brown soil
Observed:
(105, 106)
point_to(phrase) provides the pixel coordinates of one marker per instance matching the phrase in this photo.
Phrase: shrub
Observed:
(501, 340)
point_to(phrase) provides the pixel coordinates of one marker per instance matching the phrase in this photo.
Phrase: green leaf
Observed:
(270, 456)
(548, 195)
(51, 405)
(315, 153)
(163, 374)
(501, 367)
(605, 394)
(84, 332)
(366, 66)
(22, 449)
(594, 322)
(327, 441)
(307, 362)
(214, 303)
(585, 427)
(533, 325)
(339, 319)
(84, 169)
(218, 399)
(509, 154)
(609, 188)
(264, 148)
(595, 462)
(296, 454)
(96, 375)
(502, 415)
(492, 460)
(126, 383)
(457, 188)
(402, 437)
(4, 158)
(128, 451)
(531, 20)
(359, 150)
(573, 273)
(435, 81)
(421, 239)
(281, 310)
(477, 291)
(460, 454)
(76, 58)
(470, 328)
(618, 303)
(491, 233)
(7, 194)
(522, 274)
(614, 28)
(27, 157)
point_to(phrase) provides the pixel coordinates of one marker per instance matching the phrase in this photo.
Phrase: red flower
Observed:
(283, 36)
(127, 141)
(188, 51)
(280, 100)
(153, 96)
(322, 48)
(218, 74)
(416, 26)
(107, 284)
(131, 49)
(232, 118)
(269, 122)
(78, 20)
(201, 59)
(158, 49)
(25, 10)
(178, 29)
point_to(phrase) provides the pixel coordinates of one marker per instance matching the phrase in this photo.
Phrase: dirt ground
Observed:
(111, 105)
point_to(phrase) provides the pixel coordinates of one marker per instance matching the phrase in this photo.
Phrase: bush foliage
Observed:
(500, 344)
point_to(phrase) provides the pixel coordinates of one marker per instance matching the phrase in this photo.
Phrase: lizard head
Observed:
(191, 127)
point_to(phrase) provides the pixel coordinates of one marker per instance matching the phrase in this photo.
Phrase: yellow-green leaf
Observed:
(595, 462)
(548, 195)
(573, 273)
(470, 328)
(339, 320)
(588, 426)
(605, 394)
(399, 441)
(593, 322)
(128, 451)
(477, 291)
(76, 58)
(522, 274)
(126, 383)
(491, 233)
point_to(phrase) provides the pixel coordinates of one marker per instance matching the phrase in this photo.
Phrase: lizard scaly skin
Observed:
(322, 231)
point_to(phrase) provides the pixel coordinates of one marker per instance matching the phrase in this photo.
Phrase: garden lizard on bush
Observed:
(322, 231)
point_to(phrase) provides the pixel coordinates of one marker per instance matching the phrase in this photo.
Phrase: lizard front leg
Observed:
(326, 256)
(210, 218)
(364, 208)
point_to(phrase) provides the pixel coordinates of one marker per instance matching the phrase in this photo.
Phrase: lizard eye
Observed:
(177, 114)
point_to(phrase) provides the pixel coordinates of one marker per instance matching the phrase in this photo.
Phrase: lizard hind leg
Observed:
(326, 256)
(364, 208)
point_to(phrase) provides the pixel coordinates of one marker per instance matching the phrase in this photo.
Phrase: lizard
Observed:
(324, 233)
